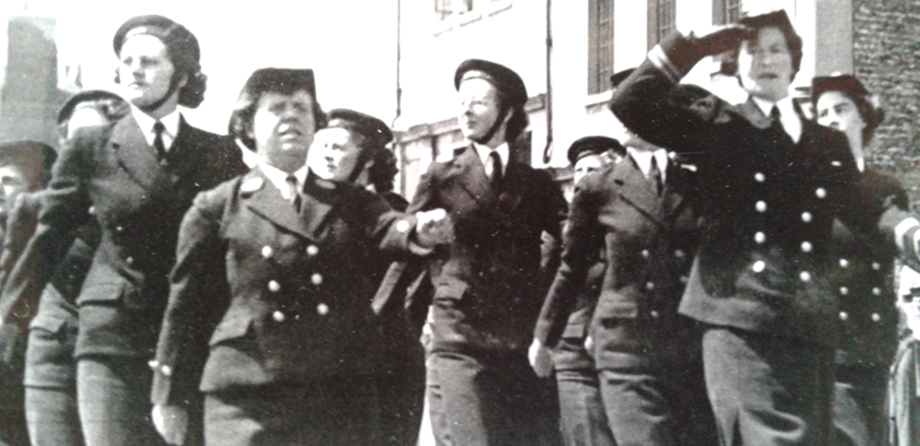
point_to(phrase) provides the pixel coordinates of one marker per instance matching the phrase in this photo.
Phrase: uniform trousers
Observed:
(113, 394)
(768, 390)
(490, 398)
(651, 382)
(51, 390)
(859, 406)
(324, 412)
(582, 418)
(401, 391)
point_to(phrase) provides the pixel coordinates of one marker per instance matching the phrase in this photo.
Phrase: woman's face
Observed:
(765, 65)
(837, 111)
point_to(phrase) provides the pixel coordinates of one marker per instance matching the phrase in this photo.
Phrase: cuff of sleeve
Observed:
(675, 56)
(904, 234)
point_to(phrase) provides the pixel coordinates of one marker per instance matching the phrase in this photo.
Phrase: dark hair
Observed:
(383, 171)
(240, 125)
(870, 115)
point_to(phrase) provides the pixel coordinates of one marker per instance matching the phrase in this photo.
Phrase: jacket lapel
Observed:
(636, 190)
(264, 199)
(184, 156)
(134, 154)
(319, 201)
(471, 176)
(514, 185)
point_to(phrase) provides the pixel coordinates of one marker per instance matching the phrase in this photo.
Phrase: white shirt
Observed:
(787, 115)
(146, 123)
(643, 159)
(278, 177)
(485, 151)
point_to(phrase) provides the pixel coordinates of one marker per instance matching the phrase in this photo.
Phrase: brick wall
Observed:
(886, 51)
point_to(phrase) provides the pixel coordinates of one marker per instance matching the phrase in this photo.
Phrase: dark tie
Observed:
(654, 174)
(495, 181)
(775, 120)
(158, 128)
(294, 192)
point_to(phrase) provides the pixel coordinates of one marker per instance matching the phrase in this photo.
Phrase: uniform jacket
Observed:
(763, 264)
(111, 174)
(648, 240)
(863, 280)
(271, 296)
(57, 310)
(488, 284)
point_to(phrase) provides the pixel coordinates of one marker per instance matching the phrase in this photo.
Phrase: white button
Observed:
(645, 253)
(820, 192)
(760, 237)
(267, 252)
(166, 370)
(684, 279)
(806, 246)
(91, 210)
(274, 286)
(402, 226)
(650, 286)
(805, 276)
(316, 279)
(312, 250)
(322, 309)
(876, 317)
(654, 314)
(844, 290)
(129, 260)
(119, 229)
(278, 316)
(877, 291)
(876, 266)
(153, 364)
(759, 266)
(844, 263)
(761, 206)
(679, 254)
(844, 316)
(759, 177)
(806, 217)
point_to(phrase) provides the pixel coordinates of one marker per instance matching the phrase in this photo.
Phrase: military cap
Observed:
(280, 80)
(376, 131)
(778, 19)
(617, 78)
(26, 153)
(89, 95)
(855, 90)
(505, 79)
(182, 43)
(593, 145)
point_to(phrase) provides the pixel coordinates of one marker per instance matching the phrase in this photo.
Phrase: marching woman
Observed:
(136, 177)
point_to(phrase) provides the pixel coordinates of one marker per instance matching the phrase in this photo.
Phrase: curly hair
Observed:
(240, 125)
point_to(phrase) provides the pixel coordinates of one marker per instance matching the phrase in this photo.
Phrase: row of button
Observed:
(844, 316)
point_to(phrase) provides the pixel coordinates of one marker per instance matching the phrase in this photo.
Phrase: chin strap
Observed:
(173, 87)
(495, 126)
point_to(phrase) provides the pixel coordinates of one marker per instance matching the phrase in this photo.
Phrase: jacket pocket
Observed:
(230, 329)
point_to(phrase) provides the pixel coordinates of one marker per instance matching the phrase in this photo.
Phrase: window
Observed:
(726, 11)
(661, 20)
(600, 45)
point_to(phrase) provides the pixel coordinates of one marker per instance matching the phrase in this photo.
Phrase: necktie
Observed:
(775, 120)
(655, 175)
(158, 128)
(294, 193)
(495, 180)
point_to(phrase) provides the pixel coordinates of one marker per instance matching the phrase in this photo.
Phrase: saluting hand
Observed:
(171, 422)
(718, 39)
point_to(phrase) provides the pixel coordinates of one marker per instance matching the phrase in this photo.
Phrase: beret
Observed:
(280, 80)
(777, 19)
(593, 145)
(504, 79)
(375, 130)
(89, 95)
(843, 83)
(182, 43)
(21, 152)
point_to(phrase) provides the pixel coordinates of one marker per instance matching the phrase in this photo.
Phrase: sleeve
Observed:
(20, 225)
(652, 104)
(63, 208)
(555, 218)
(583, 236)
(198, 298)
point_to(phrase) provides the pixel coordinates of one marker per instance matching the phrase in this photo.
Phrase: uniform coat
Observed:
(863, 280)
(761, 277)
(111, 174)
(275, 299)
(649, 241)
(488, 287)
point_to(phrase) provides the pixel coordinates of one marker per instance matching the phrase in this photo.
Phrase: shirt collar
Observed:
(146, 122)
(643, 159)
(278, 177)
(503, 152)
(787, 115)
